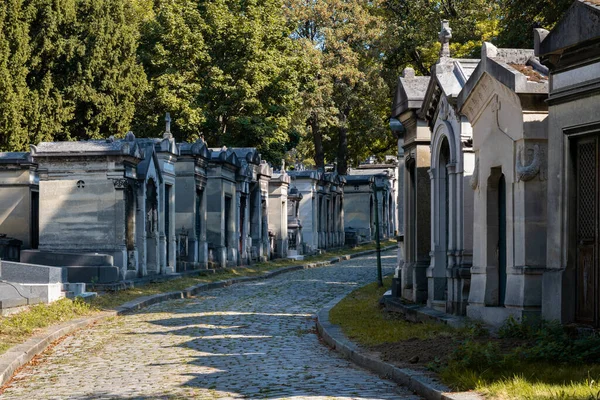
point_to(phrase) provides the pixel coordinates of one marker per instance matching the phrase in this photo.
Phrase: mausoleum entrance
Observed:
(587, 204)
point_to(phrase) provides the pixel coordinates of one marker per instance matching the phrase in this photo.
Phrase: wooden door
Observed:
(587, 231)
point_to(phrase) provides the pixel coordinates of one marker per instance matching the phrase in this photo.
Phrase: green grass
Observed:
(17, 328)
(362, 320)
(478, 364)
(530, 380)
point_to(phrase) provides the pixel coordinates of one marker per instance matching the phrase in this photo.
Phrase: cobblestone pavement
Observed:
(253, 340)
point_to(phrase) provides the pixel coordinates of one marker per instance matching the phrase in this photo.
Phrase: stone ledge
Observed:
(21, 354)
(416, 381)
(421, 313)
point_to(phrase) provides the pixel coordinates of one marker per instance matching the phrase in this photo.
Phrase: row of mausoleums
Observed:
(501, 166)
(120, 209)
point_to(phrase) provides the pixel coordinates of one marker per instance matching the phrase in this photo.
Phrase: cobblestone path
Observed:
(253, 340)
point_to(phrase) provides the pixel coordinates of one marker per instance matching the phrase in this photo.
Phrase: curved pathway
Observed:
(254, 340)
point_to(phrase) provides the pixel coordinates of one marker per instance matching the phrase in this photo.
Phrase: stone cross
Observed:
(168, 125)
(445, 36)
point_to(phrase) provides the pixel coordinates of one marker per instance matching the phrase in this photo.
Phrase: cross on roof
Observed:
(445, 36)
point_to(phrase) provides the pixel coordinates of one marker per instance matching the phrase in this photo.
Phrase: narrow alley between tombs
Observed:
(253, 340)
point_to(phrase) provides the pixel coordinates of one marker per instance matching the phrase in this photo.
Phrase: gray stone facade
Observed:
(504, 100)
(190, 205)
(88, 194)
(452, 165)
(416, 191)
(321, 208)
(278, 212)
(570, 281)
(223, 209)
(19, 197)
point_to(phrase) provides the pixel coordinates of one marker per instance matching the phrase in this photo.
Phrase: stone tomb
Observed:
(571, 282)
(504, 100)
(321, 208)
(416, 189)
(223, 209)
(331, 195)
(158, 195)
(88, 193)
(278, 212)
(190, 205)
(386, 186)
(294, 224)
(452, 165)
(359, 209)
(19, 196)
(253, 195)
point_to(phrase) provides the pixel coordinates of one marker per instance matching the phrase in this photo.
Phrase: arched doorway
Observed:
(152, 227)
(442, 189)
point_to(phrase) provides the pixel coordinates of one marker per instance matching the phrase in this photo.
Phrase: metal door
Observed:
(587, 230)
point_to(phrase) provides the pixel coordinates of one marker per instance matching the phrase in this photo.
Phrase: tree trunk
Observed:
(342, 154)
(318, 141)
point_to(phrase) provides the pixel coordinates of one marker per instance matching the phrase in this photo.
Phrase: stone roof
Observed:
(106, 147)
(358, 179)
(162, 145)
(224, 155)
(250, 154)
(410, 92)
(280, 177)
(150, 158)
(307, 173)
(197, 149)
(497, 62)
(20, 158)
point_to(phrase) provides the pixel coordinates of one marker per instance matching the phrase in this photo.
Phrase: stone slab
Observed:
(58, 259)
(31, 273)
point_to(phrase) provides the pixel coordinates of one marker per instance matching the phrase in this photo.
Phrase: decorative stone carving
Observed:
(475, 177)
(120, 183)
(528, 172)
(444, 110)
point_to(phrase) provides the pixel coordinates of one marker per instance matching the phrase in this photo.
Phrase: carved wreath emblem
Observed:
(530, 171)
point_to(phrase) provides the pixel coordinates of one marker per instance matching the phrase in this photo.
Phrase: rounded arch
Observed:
(443, 130)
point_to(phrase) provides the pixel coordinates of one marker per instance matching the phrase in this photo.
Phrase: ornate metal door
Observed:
(587, 231)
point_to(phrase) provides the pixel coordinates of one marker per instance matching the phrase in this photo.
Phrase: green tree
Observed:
(14, 53)
(250, 90)
(412, 31)
(175, 58)
(518, 18)
(345, 36)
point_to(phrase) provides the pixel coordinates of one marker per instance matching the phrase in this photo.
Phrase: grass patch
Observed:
(17, 328)
(362, 320)
(530, 380)
(547, 361)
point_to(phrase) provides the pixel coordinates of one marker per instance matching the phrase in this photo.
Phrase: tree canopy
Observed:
(313, 76)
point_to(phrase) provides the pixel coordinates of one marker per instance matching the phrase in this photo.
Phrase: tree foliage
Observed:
(314, 76)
